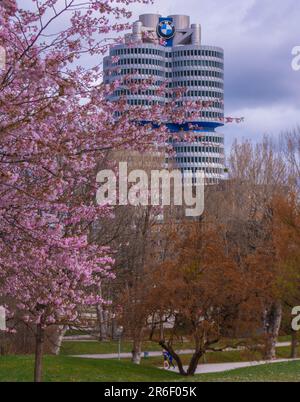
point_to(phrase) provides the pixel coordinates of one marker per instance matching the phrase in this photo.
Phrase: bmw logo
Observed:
(166, 29)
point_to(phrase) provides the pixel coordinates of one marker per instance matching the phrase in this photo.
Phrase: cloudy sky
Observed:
(258, 37)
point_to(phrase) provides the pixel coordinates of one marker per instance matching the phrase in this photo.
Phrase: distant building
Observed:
(169, 50)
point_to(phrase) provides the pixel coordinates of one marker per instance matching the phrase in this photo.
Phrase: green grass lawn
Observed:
(77, 348)
(64, 368)
(82, 348)
(256, 374)
(285, 338)
(276, 372)
(96, 347)
(68, 369)
(219, 357)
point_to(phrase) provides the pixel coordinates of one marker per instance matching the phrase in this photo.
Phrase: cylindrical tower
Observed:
(149, 20)
(196, 37)
(184, 64)
(180, 21)
(137, 31)
(139, 62)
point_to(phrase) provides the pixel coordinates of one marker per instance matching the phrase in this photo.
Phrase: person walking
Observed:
(170, 360)
(166, 360)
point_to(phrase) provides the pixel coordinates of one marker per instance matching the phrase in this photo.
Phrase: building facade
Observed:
(169, 52)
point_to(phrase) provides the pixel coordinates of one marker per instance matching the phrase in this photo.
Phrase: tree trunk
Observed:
(294, 345)
(180, 366)
(162, 331)
(137, 352)
(39, 343)
(102, 316)
(114, 329)
(194, 363)
(60, 336)
(175, 356)
(273, 323)
(103, 328)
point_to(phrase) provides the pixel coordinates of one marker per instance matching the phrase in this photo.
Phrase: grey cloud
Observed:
(257, 36)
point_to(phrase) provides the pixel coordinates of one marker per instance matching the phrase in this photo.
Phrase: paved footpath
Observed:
(221, 367)
(128, 355)
(202, 368)
(155, 354)
(83, 338)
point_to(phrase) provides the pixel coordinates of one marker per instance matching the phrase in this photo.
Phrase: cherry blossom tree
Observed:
(55, 128)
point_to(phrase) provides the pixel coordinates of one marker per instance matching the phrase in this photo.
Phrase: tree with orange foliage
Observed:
(203, 288)
(287, 242)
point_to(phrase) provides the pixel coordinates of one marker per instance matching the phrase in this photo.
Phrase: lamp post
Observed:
(119, 332)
